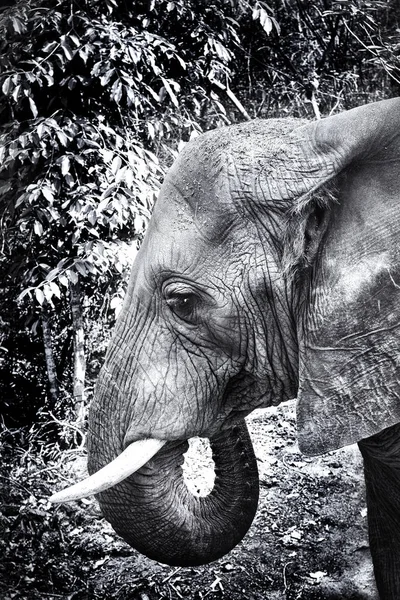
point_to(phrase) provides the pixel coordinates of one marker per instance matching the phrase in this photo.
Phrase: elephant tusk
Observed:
(130, 460)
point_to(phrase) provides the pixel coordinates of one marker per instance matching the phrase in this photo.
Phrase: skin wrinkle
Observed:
(199, 380)
(134, 357)
(137, 357)
(275, 312)
(254, 362)
(271, 302)
(358, 335)
(198, 373)
(197, 349)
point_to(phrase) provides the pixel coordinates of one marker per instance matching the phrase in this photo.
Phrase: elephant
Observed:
(270, 271)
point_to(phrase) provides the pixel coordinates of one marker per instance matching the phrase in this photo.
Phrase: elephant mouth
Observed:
(128, 462)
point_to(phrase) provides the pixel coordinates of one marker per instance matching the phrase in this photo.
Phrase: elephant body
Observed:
(270, 270)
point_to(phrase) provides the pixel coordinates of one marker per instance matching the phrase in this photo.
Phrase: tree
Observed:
(316, 57)
(89, 95)
(98, 95)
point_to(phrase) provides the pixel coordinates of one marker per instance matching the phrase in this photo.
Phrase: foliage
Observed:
(97, 96)
(22, 371)
(89, 95)
(338, 53)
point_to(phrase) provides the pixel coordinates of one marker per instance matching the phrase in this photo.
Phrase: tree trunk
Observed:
(49, 356)
(79, 351)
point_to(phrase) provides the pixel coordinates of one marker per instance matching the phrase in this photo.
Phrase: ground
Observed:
(308, 540)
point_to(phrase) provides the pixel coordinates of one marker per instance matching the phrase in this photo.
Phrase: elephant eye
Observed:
(183, 304)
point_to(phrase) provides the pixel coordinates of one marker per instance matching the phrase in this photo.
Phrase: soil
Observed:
(308, 541)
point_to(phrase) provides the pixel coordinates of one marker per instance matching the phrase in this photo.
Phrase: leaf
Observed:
(106, 77)
(20, 200)
(75, 39)
(107, 155)
(120, 175)
(265, 21)
(48, 194)
(129, 178)
(50, 80)
(318, 576)
(63, 280)
(116, 164)
(31, 77)
(84, 53)
(99, 248)
(81, 268)
(65, 165)
(151, 130)
(16, 92)
(67, 50)
(221, 51)
(52, 274)
(62, 137)
(115, 302)
(72, 276)
(134, 54)
(38, 228)
(152, 92)
(55, 289)
(18, 26)
(27, 292)
(170, 92)
(6, 86)
(90, 266)
(138, 223)
(48, 294)
(118, 93)
(69, 180)
(39, 296)
(50, 47)
(119, 267)
(92, 217)
(41, 130)
(181, 62)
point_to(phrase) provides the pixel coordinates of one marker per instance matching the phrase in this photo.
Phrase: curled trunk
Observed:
(155, 513)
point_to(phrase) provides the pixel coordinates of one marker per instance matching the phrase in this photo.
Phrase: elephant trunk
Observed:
(155, 513)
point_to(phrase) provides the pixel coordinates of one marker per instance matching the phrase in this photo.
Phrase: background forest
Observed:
(97, 99)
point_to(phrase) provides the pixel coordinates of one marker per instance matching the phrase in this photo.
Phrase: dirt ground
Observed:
(308, 540)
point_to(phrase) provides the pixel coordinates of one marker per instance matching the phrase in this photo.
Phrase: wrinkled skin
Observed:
(269, 271)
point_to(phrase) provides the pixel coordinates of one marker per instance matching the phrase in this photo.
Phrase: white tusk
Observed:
(130, 460)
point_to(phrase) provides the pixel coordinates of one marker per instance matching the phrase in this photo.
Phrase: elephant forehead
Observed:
(220, 172)
(199, 201)
(219, 245)
(174, 234)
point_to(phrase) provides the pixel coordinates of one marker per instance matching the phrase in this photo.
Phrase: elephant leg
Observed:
(381, 455)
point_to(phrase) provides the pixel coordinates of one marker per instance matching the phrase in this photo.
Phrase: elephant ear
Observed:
(350, 331)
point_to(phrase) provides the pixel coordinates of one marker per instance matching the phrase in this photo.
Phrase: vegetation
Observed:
(308, 541)
(96, 99)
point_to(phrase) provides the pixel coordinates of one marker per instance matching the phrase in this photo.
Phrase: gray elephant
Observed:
(270, 270)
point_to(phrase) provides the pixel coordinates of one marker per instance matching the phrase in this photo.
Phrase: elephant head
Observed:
(270, 270)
